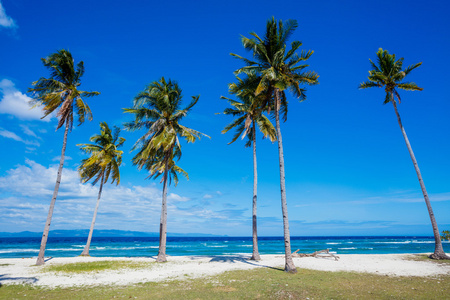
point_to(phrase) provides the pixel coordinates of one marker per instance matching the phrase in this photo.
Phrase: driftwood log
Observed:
(318, 254)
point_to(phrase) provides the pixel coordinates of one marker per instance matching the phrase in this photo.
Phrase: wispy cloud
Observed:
(5, 20)
(11, 135)
(393, 197)
(213, 195)
(58, 158)
(26, 130)
(26, 190)
(16, 103)
(178, 198)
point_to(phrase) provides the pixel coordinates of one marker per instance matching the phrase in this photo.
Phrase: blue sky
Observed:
(348, 171)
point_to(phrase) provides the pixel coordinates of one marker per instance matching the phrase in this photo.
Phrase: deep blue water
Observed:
(148, 246)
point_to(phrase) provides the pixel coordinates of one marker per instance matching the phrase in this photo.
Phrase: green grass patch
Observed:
(424, 257)
(264, 283)
(4, 265)
(97, 266)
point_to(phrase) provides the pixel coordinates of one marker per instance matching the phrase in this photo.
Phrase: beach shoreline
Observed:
(145, 269)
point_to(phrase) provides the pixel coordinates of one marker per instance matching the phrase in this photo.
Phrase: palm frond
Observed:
(409, 86)
(104, 158)
(388, 73)
(158, 109)
(59, 92)
(369, 84)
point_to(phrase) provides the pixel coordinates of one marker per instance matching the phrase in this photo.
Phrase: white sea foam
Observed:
(407, 242)
(18, 250)
(63, 249)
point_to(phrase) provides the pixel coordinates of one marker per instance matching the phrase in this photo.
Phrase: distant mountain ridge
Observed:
(101, 233)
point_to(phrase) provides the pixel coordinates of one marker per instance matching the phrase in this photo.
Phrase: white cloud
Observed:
(6, 21)
(26, 191)
(11, 135)
(178, 198)
(26, 130)
(207, 196)
(393, 197)
(58, 158)
(17, 104)
(29, 149)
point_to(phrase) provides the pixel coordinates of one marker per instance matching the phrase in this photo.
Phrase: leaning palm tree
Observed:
(104, 161)
(249, 116)
(60, 93)
(157, 110)
(389, 75)
(279, 70)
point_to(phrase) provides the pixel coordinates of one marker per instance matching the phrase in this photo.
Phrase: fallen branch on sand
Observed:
(318, 254)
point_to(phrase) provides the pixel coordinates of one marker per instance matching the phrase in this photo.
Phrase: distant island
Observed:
(100, 233)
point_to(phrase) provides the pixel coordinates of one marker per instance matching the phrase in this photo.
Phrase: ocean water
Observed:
(148, 246)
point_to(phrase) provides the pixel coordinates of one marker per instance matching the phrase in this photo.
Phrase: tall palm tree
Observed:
(250, 116)
(389, 75)
(104, 161)
(60, 93)
(157, 110)
(279, 70)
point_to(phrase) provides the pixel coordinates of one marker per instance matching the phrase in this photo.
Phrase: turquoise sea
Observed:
(148, 246)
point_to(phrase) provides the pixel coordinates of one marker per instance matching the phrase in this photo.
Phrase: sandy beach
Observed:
(19, 271)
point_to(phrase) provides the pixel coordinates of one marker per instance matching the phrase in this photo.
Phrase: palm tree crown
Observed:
(389, 74)
(247, 110)
(61, 89)
(278, 67)
(105, 159)
(157, 109)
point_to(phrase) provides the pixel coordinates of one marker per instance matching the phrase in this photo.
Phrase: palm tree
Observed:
(279, 70)
(60, 93)
(389, 75)
(250, 116)
(104, 161)
(157, 109)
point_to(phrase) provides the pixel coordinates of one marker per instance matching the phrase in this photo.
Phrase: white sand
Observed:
(17, 271)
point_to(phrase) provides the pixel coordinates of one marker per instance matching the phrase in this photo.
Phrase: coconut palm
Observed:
(249, 116)
(60, 93)
(104, 161)
(388, 74)
(157, 110)
(280, 69)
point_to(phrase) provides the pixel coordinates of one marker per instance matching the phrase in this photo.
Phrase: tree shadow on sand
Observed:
(23, 280)
(240, 259)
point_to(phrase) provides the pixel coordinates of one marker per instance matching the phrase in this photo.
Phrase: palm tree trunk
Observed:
(163, 224)
(40, 260)
(438, 250)
(289, 266)
(255, 255)
(88, 243)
